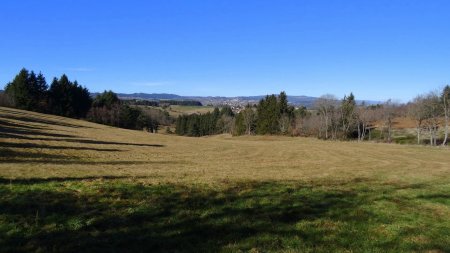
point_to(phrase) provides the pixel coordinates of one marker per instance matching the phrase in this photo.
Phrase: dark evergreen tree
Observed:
(107, 98)
(268, 116)
(19, 90)
(348, 106)
(40, 91)
(68, 99)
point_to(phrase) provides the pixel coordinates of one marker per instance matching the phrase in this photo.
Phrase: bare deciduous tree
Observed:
(433, 110)
(388, 118)
(249, 117)
(326, 105)
(416, 111)
(446, 105)
(363, 119)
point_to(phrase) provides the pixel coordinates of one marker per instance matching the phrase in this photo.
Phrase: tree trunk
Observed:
(446, 127)
(431, 136)
(418, 135)
(389, 131)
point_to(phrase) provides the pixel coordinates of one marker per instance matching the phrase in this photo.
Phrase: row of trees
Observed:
(431, 112)
(63, 97)
(29, 91)
(216, 122)
(108, 109)
(331, 118)
(272, 115)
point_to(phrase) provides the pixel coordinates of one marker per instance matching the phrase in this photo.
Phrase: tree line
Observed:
(330, 119)
(29, 91)
(272, 115)
(216, 122)
(63, 97)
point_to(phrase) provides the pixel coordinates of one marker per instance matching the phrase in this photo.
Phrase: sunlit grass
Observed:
(73, 186)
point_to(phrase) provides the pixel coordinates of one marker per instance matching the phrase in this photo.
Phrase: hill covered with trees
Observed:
(30, 91)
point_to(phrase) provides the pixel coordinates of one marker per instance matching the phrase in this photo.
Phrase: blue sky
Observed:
(377, 49)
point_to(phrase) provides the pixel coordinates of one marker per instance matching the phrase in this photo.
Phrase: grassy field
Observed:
(177, 110)
(73, 186)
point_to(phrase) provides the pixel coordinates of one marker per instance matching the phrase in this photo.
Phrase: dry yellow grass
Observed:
(177, 110)
(96, 187)
(39, 145)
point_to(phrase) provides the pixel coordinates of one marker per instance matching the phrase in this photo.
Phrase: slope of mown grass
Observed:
(73, 186)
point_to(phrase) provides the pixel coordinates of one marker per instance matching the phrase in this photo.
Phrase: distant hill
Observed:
(219, 100)
(146, 96)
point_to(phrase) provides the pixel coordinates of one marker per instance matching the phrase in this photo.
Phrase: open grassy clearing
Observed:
(69, 185)
(177, 110)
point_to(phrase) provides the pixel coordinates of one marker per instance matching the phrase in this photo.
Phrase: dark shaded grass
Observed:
(45, 146)
(72, 139)
(14, 155)
(20, 125)
(24, 117)
(20, 131)
(116, 215)
(76, 161)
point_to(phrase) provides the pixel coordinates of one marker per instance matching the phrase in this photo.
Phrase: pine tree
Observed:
(19, 90)
(41, 92)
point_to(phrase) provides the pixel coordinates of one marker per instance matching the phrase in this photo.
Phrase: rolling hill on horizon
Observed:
(300, 100)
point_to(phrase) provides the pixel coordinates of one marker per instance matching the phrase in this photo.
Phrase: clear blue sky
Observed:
(377, 49)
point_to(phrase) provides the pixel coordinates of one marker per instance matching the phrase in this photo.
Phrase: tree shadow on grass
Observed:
(19, 125)
(8, 154)
(115, 216)
(67, 160)
(41, 120)
(44, 146)
(31, 181)
(14, 130)
(167, 218)
(73, 140)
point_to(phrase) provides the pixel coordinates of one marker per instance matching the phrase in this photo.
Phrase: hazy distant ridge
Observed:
(216, 100)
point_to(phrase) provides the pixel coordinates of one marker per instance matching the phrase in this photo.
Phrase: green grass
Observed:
(74, 186)
(75, 214)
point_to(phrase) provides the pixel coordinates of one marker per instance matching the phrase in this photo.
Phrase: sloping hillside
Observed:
(69, 185)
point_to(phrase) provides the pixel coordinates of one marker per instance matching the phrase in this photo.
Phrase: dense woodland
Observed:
(63, 97)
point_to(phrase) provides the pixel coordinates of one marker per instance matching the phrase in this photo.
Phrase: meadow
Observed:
(73, 186)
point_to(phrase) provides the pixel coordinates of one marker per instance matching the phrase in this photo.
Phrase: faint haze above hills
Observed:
(306, 101)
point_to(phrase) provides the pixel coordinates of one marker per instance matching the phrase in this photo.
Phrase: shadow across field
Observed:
(44, 146)
(81, 162)
(4, 131)
(31, 181)
(23, 131)
(164, 218)
(13, 155)
(4, 123)
(71, 138)
(92, 214)
(41, 120)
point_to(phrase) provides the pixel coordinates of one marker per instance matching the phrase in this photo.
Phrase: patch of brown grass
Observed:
(62, 147)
